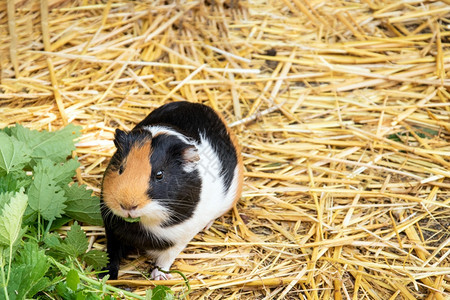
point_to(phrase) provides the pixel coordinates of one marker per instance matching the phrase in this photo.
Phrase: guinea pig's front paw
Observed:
(159, 275)
(111, 271)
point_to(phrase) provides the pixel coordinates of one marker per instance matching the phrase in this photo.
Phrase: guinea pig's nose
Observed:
(128, 207)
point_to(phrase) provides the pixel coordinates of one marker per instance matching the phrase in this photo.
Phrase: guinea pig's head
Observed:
(152, 177)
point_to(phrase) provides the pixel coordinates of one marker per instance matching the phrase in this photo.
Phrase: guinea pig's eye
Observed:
(120, 169)
(159, 175)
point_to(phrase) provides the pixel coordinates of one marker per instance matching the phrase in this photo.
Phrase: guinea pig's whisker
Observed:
(187, 204)
(176, 201)
(109, 215)
(176, 215)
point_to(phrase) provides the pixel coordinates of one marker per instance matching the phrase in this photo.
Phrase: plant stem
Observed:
(4, 282)
(47, 230)
(96, 282)
(186, 281)
(9, 265)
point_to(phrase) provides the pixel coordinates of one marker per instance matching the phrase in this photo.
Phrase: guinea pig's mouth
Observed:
(125, 213)
(152, 214)
(132, 214)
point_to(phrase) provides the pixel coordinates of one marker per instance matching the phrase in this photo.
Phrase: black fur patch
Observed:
(122, 237)
(134, 235)
(178, 190)
(193, 120)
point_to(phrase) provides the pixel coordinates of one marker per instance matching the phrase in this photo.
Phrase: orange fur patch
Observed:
(240, 165)
(130, 188)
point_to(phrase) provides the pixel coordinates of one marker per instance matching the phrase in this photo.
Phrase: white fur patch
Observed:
(152, 214)
(154, 130)
(213, 202)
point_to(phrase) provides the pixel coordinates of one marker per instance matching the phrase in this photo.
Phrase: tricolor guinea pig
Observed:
(177, 171)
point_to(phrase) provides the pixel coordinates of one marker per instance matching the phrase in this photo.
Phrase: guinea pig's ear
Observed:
(120, 138)
(190, 158)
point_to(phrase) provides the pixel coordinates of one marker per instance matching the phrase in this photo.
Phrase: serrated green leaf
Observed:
(6, 130)
(96, 258)
(60, 173)
(73, 279)
(14, 181)
(52, 240)
(5, 197)
(63, 291)
(57, 145)
(11, 218)
(28, 272)
(46, 197)
(76, 238)
(14, 154)
(161, 292)
(59, 222)
(74, 245)
(82, 205)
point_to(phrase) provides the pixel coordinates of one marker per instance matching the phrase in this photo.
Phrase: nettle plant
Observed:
(37, 197)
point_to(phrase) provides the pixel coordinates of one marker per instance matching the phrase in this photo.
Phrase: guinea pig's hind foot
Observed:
(158, 274)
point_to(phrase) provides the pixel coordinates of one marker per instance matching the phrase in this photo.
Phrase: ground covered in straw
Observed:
(341, 108)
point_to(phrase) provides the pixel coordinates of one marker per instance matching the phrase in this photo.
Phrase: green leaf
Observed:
(14, 181)
(74, 245)
(96, 258)
(394, 137)
(46, 197)
(5, 197)
(14, 154)
(60, 173)
(81, 296)
(161, 292)
(63, 291)
(56, 145)
(11, 219)
(76, 238)
(6, 130)
(148, 294)
(28, 273)
(132, 220)
(58, 223)
(30, 216)
(52, 240)
(82, 206)
(73, 279)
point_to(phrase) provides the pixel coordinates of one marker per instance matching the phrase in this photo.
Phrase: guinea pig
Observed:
(177, 171)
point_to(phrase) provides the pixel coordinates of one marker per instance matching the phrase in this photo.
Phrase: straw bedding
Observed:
(341, 108)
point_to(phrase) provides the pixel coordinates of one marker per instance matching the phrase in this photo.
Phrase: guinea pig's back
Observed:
(199, 121)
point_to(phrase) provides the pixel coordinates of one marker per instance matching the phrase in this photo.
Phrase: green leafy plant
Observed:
(37, 198)
(41, 163)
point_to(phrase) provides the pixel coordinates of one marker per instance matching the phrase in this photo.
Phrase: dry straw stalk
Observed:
(341, 107)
